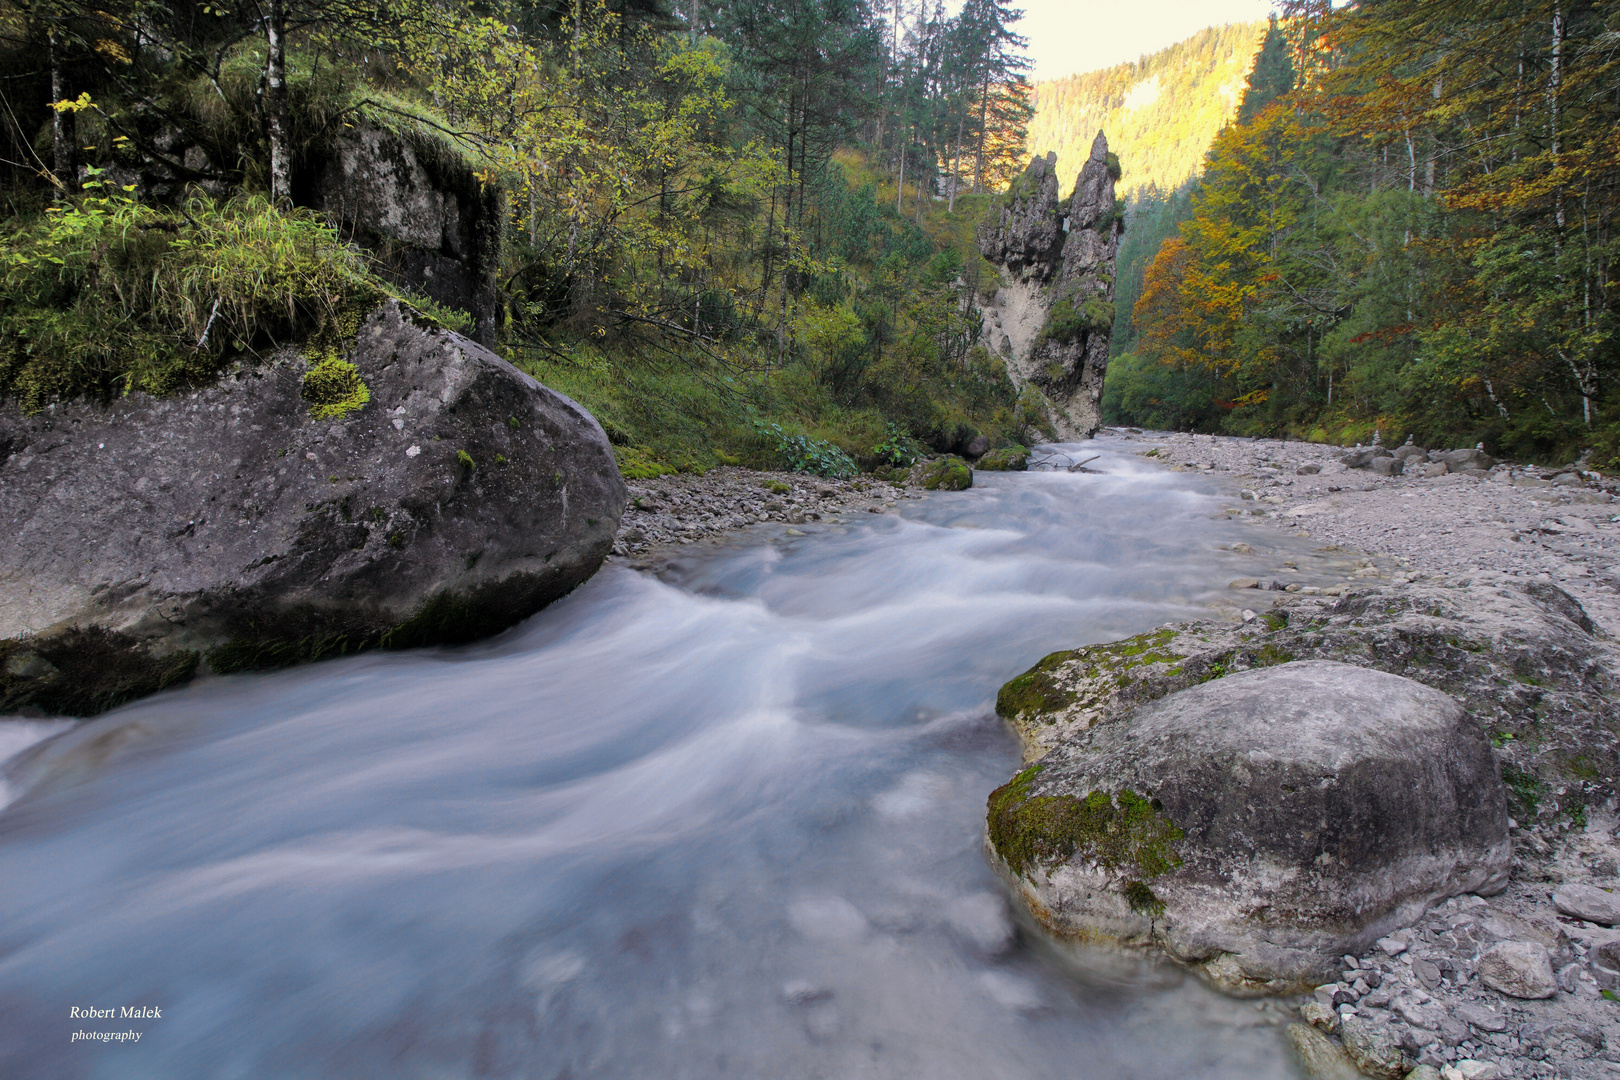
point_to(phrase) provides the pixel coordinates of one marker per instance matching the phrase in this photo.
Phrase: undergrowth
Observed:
(107, 295)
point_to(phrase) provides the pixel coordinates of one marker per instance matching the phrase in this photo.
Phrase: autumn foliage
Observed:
(1411, 228)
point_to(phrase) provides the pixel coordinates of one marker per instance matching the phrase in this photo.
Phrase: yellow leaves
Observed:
(78, 104)
(113, 51)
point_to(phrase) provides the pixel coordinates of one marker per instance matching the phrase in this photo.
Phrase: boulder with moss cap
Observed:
(291, 511)
(1260, 825)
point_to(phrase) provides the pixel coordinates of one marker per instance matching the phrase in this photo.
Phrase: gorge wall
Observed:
(1053, 315)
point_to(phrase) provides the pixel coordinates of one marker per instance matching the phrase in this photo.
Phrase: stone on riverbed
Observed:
(1521, 969)
(1004, 459)
(1258, 826)
(948, 473)
(1588, 902)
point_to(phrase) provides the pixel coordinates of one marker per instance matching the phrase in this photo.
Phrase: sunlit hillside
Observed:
(1160, 113)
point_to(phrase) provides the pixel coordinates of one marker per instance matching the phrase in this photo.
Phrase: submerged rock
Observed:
(1260, 825)
(441, 497)
(1004, 459)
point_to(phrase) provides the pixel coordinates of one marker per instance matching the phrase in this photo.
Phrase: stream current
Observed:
(720, 822)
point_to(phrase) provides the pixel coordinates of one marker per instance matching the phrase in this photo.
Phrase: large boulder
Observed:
(440, 496)
(1259, 825)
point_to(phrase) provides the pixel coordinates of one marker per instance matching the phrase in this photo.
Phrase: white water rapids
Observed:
(721, 823)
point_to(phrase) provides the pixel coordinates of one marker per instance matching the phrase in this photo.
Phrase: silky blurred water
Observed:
(720, 822)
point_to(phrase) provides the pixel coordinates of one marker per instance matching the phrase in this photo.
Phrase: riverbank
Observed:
(1434, 987)
(1525, 520)
(678, 509)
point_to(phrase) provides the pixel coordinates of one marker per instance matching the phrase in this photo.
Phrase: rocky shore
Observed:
(1522, 983)
(1553, 523)
(682, 508)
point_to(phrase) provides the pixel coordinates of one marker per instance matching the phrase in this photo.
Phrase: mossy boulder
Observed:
(1521, 658)
(416, 490)
(949, 473)
(1004, 459)
(1258, 826)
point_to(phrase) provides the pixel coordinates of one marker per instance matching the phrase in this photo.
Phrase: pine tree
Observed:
(1272, 76)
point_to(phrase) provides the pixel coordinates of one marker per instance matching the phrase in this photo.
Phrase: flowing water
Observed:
(722, 822)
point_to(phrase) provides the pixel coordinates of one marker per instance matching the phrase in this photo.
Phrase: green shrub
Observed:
(1068, 320)
(804, 454)
(105, 296)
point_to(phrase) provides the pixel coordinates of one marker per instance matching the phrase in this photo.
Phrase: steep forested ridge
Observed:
(1409, 227)
(1160, 112)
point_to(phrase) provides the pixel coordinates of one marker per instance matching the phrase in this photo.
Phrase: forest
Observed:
(744, 232)
(737, 232)
(1407, 228)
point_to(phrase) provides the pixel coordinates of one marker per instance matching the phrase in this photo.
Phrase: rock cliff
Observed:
(417, 490)
(1054, 313)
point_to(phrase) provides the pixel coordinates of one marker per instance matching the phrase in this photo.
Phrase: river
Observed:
(720, 822)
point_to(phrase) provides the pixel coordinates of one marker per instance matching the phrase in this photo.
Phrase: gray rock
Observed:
(1427, 972)
(1432, 470)
(1410, 451)
(428, 219)
(1372, 1046)
(1587, 902)
(1023, 231)
(1307, 470)
(463, 497)
(1254, 827)
(1361, 459)
(1453, 1031)
(1387, 466)
(1463, 460)
(1480, 1017)
(1320, 1058)
(1424, 1072)
(1521, 969)
(977, 447)
(1068, 253)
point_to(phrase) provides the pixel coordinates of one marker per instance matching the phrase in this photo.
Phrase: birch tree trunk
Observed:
(275, 103)
(63, 165)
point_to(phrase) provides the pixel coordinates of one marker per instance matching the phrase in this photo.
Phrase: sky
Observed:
(1068, 36)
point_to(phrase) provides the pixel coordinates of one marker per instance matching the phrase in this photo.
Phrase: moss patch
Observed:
(943, 474)
(1115, 831)
(1005, 459)
(1035, 691)
(1068, 320)
(81, 672)
(334, 389)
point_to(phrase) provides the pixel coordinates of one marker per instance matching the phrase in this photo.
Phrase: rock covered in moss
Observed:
(1004, 459)
(253, 524)
(1258, 826)
(949, 473)
(1519, 654)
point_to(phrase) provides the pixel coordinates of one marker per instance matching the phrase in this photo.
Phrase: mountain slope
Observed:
(1160, 113)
